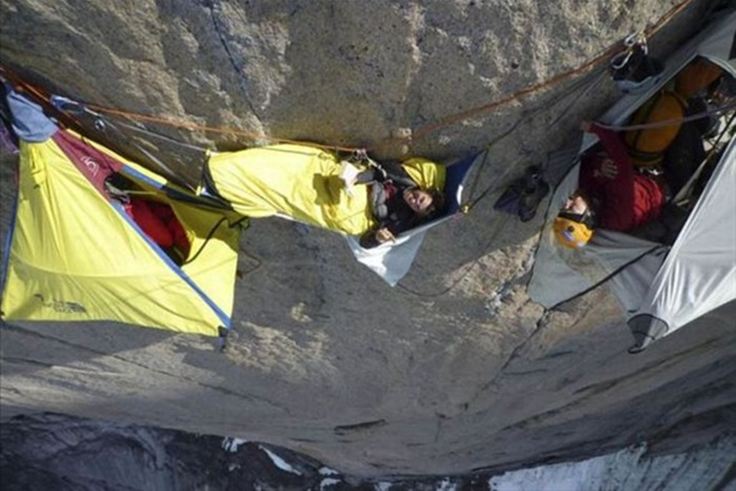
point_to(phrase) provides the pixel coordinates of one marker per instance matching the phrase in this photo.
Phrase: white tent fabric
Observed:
(698, 274)
(390, 261)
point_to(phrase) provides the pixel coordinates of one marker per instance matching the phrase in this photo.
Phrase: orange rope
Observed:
(423, 131)
(166, 120)
(45, 98)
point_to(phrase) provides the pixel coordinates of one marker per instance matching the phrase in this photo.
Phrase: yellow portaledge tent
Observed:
(74, 254)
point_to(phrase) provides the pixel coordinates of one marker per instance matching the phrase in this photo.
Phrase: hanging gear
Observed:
(524, 194)
(633, 70)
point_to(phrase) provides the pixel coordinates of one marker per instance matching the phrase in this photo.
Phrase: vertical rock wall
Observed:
(455, 369)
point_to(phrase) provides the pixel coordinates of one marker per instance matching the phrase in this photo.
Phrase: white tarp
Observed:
(390, 261)
(699, 274)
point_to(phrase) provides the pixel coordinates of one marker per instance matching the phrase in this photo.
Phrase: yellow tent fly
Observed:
(74, 253)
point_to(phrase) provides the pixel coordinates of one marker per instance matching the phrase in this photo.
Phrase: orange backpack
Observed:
(697, 76)
(647, 146)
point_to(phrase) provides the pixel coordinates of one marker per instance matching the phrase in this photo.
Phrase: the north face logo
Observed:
(61, 305)
(92, 166)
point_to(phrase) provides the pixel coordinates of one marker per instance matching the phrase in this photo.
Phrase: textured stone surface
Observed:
(454, 370)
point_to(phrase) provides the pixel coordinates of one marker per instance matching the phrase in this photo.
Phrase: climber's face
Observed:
(576, 204)
(418, 200)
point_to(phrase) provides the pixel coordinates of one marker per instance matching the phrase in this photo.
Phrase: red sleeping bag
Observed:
(159, 222)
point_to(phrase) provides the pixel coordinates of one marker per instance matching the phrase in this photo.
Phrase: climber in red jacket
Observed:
(611, 194)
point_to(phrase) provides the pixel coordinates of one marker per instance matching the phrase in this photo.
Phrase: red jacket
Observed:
(626, 200)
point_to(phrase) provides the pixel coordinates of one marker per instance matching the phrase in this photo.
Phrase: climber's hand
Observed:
(608, 169)
(384, 235)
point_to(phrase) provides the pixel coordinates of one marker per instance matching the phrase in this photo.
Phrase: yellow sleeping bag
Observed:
(303, 183)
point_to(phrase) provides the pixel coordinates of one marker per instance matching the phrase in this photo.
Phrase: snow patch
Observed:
(382, 486)
(326, 471)
(446, 485)
(573, 476)
(231, 444)
(279, 462)
(626, 469)
(327, 482)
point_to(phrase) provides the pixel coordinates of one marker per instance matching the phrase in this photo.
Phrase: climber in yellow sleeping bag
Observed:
(308, 184)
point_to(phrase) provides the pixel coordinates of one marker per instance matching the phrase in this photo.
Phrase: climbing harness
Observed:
(633, 70)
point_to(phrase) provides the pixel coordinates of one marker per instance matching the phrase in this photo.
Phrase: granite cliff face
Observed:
(454, 370)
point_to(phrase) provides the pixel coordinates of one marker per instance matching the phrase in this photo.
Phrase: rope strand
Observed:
(453, 119)
(670, 122)
(169, 121)
(154, 134)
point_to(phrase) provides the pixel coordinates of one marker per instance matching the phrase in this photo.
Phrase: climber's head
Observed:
(424, 202)
(573, 226)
